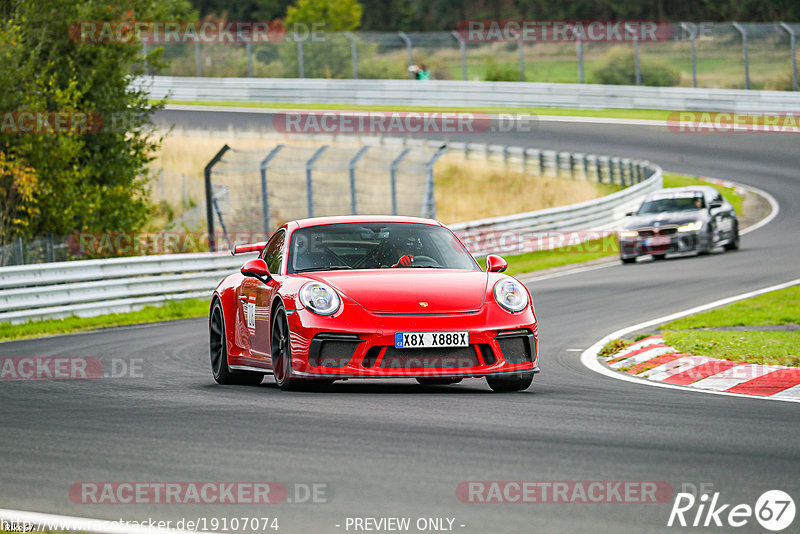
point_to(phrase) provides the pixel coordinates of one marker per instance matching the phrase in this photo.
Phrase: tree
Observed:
(334, 15)
(17, 199)
(86, 181)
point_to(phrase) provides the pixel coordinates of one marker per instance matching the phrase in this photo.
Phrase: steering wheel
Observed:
(426, 259)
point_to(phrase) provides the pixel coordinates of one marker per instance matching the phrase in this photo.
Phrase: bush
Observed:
(501, 72)
(619, 68)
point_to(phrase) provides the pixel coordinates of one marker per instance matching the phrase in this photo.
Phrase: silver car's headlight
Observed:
(510, 295)
(319, 298)
(691, 227)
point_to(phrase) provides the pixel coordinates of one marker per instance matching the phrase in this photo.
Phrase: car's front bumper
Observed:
(631, 247)
(361, 344)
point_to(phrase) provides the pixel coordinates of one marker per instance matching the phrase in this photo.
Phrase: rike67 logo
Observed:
(774, 510)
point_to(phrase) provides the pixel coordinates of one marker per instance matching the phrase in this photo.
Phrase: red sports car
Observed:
(371, 297)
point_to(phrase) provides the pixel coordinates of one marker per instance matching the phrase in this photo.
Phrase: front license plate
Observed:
(657, 241)
(425, 340)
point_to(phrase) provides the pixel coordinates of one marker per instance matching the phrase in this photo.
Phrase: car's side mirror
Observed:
(715, 204)
(495, 264)
(256, 268)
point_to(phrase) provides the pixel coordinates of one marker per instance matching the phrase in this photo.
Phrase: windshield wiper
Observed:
(325, 268)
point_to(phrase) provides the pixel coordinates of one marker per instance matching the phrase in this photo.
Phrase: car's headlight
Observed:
(510, 295)
(691, 227)
(319, 298)
(629, 233)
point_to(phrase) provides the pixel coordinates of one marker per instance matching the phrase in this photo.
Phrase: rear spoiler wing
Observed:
(247, 247)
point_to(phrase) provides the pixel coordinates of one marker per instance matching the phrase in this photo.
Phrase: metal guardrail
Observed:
(93, 287)
(449, 93)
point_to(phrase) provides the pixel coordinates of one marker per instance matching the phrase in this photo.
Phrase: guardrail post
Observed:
(264, 197)
(741, 30)
(310, 180)
(558, 163)
(393, 177)
(462, 47)
(793, 45)
(586, 166)
(198, 57)
(521, 59)
(212, 242)
(691, 29)
(430, 198)
(353, 53)
(572, 165)
(409, 52)
(352, 166)
(542, 163)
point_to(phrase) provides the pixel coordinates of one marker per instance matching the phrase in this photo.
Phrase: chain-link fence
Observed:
(713, 55)
(256, 190)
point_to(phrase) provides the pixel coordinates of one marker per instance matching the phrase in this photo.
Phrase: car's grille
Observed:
(517, 346)
(332, 350)
(429, 358)
(660, 231)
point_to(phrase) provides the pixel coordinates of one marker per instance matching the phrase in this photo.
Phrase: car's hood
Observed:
(410, 291)
(665, 218)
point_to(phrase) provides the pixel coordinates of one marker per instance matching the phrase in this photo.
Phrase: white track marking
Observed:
(589, 356)
(65, 522)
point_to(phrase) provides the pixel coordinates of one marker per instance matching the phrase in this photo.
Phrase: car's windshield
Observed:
(376, 246)
(660, 205)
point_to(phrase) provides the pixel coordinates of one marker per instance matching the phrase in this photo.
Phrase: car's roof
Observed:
(344, 219)
(705, 189)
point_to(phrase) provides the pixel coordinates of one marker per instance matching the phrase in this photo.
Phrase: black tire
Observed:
(628, 260)
(734, 243)
(218, 352)
(281, 351)
(514, 382)
(438, 381)
(659, 257)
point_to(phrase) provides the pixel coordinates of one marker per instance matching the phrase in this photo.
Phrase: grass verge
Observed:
(649, 114)
(171, 310)
(763, 347)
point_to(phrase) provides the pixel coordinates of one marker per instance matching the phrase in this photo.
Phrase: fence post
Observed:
(579, 53)
(18, 256)
(50, 253)
(301, 68)
(521, 58)
(264, 197)
(462, 48)
(691, 29)
(409, 51)
(212, 242)
(636, 61)
(393, 177)
(248, 47)
(309, 179)
(198, 57)
(430, 198)
(741, 30)
(793, 45)
(352, 166)
(353, 53)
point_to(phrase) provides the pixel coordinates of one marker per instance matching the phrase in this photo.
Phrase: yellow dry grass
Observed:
(465, 189)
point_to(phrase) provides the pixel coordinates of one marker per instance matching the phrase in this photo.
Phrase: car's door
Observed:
(722, 217)
(257, 296)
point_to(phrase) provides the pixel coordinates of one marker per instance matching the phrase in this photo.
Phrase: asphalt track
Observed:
(398, 449)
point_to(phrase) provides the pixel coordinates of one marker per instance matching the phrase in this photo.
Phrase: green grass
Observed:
(651, 114)
(171, 310)
(679, 180)
(774, 308)
(770, 348)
